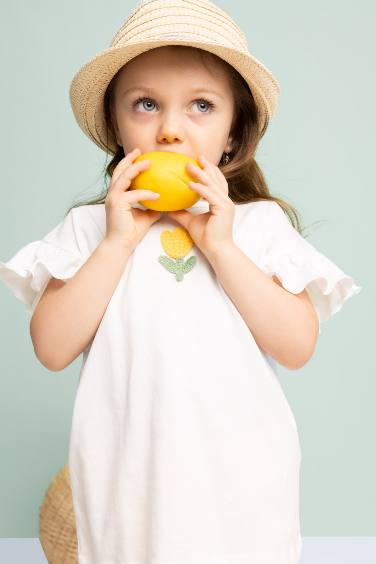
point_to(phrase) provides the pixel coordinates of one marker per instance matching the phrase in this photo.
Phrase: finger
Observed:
(218, 177)
(220, 174)
(123, 181)
(213, 198)
(134, 196)
(197, 172)
(213, 169)
(208, 166)
(183, 217)
(125, 162)
(209, 180)
(204, 161)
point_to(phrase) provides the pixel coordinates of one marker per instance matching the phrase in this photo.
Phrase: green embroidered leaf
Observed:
(168, 263)
(178, 267)
(189, 264)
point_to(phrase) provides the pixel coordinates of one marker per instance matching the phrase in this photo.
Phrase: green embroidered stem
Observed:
(178, 266)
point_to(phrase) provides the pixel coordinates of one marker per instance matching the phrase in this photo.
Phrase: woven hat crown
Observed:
(155, 23)
(162, 21)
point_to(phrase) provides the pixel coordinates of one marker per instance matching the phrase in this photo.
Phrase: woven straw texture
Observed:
(57, 525)
(154, 23)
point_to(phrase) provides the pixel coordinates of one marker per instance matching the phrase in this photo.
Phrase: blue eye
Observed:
(210, 104)
(141, 99)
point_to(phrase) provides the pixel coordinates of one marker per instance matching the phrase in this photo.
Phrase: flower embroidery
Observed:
(177, 244)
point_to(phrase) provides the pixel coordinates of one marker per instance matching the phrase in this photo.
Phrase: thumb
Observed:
(181, 216)
(153, 215)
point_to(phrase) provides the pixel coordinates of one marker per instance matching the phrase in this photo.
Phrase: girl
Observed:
(183, 446)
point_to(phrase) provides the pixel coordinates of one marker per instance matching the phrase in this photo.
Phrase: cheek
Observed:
(132, 125)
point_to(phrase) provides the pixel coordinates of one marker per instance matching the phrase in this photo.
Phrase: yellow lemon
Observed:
(167, 175)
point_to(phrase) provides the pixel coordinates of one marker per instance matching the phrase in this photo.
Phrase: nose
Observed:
(170, 130)
(167, 137)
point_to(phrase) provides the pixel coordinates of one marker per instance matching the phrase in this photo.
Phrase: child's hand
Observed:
(212, 229)
(126, 225)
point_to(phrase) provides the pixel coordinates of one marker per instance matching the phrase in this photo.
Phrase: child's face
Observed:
(173, 117)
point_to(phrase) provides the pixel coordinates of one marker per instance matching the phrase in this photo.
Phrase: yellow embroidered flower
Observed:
(177, 243)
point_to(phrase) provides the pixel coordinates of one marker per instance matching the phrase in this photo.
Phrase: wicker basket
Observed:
(57, 524)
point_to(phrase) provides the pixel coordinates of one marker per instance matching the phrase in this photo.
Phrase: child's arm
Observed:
(68, 314)
(283, 324)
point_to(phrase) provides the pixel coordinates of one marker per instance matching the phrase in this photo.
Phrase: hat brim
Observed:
(89, 84)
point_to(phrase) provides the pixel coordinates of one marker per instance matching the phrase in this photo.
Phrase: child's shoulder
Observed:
(87, 211)
(269, 217)
(252, 214)
(256, 207)
(87, 217)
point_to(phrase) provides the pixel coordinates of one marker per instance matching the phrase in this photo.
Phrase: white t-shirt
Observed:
(184, 449)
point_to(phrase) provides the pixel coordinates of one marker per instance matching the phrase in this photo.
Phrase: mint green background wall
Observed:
(318, 154)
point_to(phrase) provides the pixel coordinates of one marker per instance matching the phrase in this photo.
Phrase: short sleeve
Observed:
(56, 255)
(298, 265)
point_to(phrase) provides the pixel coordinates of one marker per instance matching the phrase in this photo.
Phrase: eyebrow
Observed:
(152, 91)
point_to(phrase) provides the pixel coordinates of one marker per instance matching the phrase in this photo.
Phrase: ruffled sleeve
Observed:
(298, 265)
(56, 255)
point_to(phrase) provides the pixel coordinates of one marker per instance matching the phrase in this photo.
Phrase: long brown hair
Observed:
(245, 179)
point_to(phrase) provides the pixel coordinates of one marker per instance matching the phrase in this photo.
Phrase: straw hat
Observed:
(57, 522)
(154, 23)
